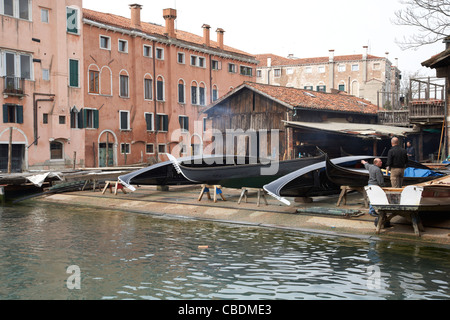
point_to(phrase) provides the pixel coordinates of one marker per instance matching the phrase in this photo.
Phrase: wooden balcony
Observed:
(418, 112)
(427, 111)
(394, 117)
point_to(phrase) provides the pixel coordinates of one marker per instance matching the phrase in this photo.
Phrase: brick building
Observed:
(146, 81)
(100, 89)
(363, 75)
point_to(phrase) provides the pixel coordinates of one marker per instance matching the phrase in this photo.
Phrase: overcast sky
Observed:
(303, 28)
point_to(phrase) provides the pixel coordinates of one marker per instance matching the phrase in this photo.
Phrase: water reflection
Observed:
(130, 256)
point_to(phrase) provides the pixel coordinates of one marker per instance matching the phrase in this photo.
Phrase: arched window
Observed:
(202, 94)
(215, 93)
(124, 84)
(56, 150)
(160, 88)
(194, 93)
(181, 91)
(94, 79)
(148, 87)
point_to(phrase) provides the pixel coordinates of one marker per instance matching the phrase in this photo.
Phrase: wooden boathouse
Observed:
(338, 123)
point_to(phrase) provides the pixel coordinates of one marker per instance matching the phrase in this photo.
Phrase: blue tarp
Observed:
(420, 173)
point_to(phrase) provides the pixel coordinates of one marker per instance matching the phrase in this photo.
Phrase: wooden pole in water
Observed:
(74, 160)
(10, 150)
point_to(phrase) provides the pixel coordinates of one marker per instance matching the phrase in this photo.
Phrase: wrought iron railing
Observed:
(13, 85)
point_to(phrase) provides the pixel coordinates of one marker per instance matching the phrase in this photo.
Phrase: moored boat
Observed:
(410, 201)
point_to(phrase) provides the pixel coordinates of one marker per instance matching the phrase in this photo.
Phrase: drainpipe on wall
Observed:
(35, 112)
(154, 100)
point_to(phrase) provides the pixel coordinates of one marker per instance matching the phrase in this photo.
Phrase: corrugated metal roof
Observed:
(368, 131)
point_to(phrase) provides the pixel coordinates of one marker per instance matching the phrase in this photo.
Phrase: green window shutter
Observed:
(166, 123)
(81, 117)
(96, 119)
(5, 113)
(73, 73)
(85, 118)
(19, 111)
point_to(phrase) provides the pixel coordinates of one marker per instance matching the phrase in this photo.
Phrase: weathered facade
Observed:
(41, 53)
(86, 88)
(146, 82)
(365, 76)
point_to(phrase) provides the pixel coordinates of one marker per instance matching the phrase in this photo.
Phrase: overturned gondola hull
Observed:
(310, 181)
(160, 174)
(237, 174)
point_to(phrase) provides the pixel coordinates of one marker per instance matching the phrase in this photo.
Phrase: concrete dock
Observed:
(322, 216)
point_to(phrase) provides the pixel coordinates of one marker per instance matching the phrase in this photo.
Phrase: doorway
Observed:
(106, 153)
(18, 157)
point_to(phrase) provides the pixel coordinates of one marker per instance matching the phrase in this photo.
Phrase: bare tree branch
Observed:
(431, 18)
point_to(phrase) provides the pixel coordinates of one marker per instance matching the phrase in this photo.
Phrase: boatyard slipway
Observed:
(321, 216)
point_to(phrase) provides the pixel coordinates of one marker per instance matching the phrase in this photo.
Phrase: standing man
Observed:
(396, 163)
(410, 151)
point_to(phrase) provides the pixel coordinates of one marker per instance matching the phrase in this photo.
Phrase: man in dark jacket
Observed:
(396, 163)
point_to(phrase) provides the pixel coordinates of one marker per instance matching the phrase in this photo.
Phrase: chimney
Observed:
(447, 42)
(387, 54)
(366, 52)
(396, 62)
(269, 62)
(331, 55)
(206, 35)
(220, 33)
(170, 15)
(136, 15)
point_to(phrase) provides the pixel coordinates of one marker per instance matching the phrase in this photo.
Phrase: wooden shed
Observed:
(335, 122)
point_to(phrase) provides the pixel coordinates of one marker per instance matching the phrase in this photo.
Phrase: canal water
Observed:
(56, 252)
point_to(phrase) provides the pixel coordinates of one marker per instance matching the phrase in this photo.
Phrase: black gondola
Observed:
(358, 177)
(238, 172)
(310, 181)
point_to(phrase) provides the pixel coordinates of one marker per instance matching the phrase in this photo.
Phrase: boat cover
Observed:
(420, 173)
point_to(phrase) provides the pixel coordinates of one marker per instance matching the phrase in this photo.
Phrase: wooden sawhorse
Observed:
(347, 189)
(413, 216)
(118, 186)
(260, 192)
(217, 191)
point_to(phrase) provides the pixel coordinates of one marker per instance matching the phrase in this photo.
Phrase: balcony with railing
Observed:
(424, 103)
(13, 86)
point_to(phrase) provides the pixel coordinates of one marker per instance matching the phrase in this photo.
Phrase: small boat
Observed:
(410, 201)
(239, 172)
(310, 181)
(358, 177)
